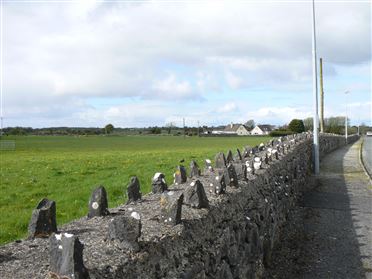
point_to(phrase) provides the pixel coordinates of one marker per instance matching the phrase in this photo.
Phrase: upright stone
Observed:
(247, 152)
(254, 150)
(275, 154)
(194, 169)
(43, 220)
(220, 160)
(261, 147)
(231, 179)
(257, 163)
(195, 195)
(126, 230)
(272, 143)
(66, 256)
(133, 190)
(241, 171)
(219, 185)
(171, 207)
(250, 167)
(208, 165)
(98, 203)
(158, 183)
(238, 155)
(180, 175)
(229, 157)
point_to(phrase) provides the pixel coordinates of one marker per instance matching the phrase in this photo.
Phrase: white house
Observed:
(243, 131)
(262, 130)
(236, 129)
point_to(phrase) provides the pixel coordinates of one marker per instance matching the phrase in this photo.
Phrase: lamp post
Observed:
(315, 96)
(346, 92)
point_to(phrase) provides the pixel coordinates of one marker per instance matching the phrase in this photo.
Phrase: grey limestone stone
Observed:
(126, 230)
(231, 179)
(133, 190)
(180, 175)
(194, 169)
(195, 195)
(66, 256)
(43, 220)
(171, 207)
(158, 183)
(220, 160)
(98, 203)
(229, 157)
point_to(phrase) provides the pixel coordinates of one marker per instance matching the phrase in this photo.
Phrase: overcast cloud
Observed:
(88, 63)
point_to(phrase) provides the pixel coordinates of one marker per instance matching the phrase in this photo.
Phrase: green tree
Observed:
(250, 124)
(297, 126)
(109, 128)
(308, 123)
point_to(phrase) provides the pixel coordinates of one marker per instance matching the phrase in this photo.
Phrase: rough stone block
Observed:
(250, 167)
(220, 160)
(194, 169)
(246, 152)
(241, 171)
(229, 157)
(126, 230)
(43, 220)
(133, 190)
(66, 256)
(208, 165)
(180, 175)
(98, 203)
(261, 147)
(238, 155)
(231, 179)
(219, 185)
(195, 195)
(171, 207)
(158, 183)
(257, 163)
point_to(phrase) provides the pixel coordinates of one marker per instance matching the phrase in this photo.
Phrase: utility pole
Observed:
(1, 69)
(184, 129)
(315, 96)
(321, 97)
(346, 124)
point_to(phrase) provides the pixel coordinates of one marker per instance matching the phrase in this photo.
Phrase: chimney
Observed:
(231, 125)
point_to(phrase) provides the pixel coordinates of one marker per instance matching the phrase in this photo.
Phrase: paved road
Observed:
(367, 154)
(338, 223)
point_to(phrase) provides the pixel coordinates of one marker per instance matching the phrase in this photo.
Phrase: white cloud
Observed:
(170, 87)
(228, 107)
(55, 53)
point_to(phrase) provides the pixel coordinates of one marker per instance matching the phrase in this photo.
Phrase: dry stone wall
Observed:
(219, 222)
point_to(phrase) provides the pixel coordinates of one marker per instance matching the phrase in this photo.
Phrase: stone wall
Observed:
(222, 222)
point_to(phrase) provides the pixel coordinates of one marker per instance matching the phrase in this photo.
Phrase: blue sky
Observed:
(89, 63)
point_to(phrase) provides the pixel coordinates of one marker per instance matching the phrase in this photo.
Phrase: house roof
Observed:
(266, 128)
(231, 127)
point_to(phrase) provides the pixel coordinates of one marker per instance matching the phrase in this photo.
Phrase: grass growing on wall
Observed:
(66, 169)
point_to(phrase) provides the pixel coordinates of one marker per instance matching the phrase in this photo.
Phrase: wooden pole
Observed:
(321, 98)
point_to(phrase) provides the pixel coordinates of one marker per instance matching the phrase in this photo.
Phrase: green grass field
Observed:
(66, 169)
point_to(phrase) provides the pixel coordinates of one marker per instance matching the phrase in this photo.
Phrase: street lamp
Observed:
(315, 100)
(346, 92)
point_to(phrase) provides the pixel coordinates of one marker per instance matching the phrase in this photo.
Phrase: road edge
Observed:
(368, 174)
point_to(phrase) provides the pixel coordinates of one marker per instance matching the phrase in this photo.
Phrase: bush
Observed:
(280, 133)
(296, 126)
